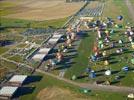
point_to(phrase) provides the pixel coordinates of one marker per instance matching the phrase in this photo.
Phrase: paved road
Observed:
(92, 86)
(130, 8)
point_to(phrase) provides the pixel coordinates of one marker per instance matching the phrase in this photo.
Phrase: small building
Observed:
(44, 50)
(39, 57)
(53, 40)
(17, 80)
(56, 35)
(7, 92)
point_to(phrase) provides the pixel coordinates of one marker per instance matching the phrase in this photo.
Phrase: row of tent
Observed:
(93, 12)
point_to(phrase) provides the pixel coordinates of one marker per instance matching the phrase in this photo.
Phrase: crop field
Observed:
(38, 10)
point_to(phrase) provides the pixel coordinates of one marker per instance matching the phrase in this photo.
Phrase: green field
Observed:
(56, 23)
(47, 81)
(16, 58)
(85, 50)
(132, 1)
(117, 7)
(3, 49)
(81, 62)
(8, 65)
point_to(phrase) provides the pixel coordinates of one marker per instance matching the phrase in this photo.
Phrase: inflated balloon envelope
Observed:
(120, 17)
(132, 61)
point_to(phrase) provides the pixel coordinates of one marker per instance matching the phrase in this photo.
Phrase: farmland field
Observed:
(38, 9)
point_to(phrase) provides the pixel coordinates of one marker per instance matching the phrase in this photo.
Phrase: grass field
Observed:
(85, 50)
(3, 49)
(7, 65)
(16, 58)
(56, 23)
(117, 7)
(81, 61)
(132, 1)
(49, 82)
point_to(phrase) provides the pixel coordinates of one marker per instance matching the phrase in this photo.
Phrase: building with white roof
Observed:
(39, 57)
(42, 53)
(44, 50)
(53, 40)
(17, 80)
(7, 92)
(56, 35)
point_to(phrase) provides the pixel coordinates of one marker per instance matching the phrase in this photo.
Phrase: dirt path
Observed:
(120, 89)
(130, 8)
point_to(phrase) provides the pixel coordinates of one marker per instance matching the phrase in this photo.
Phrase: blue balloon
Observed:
(120, 17)
(125, 68)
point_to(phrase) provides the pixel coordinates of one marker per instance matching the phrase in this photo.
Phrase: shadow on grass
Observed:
(131, 69)
(23, 91)
(113, 62)
(106, 58)
(64, 66)
(121, 77)
(31, 79)
(115, 72)
(102, 70)
(99, 74)
(128, 51)
(6, 42)
(82, 34)
(82, 76)
(114, 82)
(72, 50)
(49, 56)
(114, 54)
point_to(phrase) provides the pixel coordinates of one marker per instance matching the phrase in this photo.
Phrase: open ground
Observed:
(39, 10)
